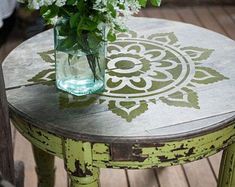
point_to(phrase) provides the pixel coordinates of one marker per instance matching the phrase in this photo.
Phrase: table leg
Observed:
(44, 167)
(227, 168)
(79, 164)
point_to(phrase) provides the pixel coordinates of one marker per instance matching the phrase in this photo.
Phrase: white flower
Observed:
(60, 3)
(33, 4)
(129, 7)
(46, 2)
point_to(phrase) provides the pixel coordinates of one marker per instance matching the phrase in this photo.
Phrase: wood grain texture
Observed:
(187, 115)
(207, 20)
(198, 2)
(113, 177)
(140, 178)
(23, 152)
(226, 173)
(214, 162)
(154, 13)
(224, 20)
(171, 14)
(45, 169)
(230, 10)
(171, 177)
(6, 149)
(187, 15)
(199, 174)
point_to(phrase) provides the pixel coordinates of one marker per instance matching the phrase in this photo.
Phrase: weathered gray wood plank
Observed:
(214, 161)
(187, 15)
(171, 177)
(188, 106)
(200, 174)
(171, 14)
(207, 20)
(224, 20)
(153, 13)
(140, 178)
(23, 152)
(230, 10)
(113, 177)
(6, 149)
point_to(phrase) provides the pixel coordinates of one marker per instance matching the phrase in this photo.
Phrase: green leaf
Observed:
(156, 2)
(112, 10)
(74, 20)
(121, 6)
(143, 3)
(94, 40)
(50, 12)
(81, 7)
(88, 25)
(111, 36)
(71, 2)
(65, 44)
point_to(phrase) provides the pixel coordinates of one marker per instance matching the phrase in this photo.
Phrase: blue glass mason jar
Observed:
(80, 60)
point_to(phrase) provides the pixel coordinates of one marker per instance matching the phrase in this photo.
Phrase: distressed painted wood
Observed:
(121, 115)
(137, 155)
(155, 129)
(214, 162)
(6, 156)
(23, 151)
(79, 164)
(173, 153)
(44, 167)
(227, 173)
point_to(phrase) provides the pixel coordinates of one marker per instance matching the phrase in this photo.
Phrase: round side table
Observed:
(169, 100)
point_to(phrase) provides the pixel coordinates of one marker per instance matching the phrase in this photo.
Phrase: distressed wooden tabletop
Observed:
(165, 80)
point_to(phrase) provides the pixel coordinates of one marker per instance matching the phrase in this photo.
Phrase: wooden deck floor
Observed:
(201, 173)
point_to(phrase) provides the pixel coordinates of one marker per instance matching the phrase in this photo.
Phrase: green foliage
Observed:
(83, 18)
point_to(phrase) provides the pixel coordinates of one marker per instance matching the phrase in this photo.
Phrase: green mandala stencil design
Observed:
(144, 70)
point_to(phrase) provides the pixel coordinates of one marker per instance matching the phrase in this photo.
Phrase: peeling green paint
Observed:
(227, 173)
(83, 159)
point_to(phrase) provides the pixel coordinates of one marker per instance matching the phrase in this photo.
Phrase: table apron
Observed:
(131, 155)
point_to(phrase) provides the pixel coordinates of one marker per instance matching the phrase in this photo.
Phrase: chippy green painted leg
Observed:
(79, 164)
(44, 167)
(227, 168)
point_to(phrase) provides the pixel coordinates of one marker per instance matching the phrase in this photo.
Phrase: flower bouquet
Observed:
(81, 31)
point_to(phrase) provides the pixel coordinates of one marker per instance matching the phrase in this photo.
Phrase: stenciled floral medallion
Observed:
(144, 70)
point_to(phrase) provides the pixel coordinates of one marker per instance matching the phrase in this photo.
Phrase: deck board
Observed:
(214, 161)
(113, 177)
(175, 174)
(224, 20)
(171, 14)
(200, 173)
(187, 15)
(207, 20)
(144, 177)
